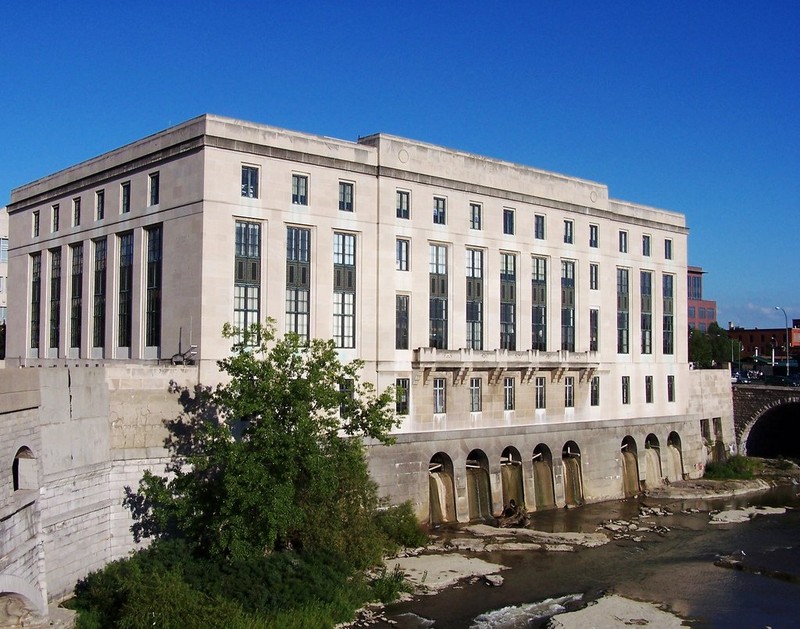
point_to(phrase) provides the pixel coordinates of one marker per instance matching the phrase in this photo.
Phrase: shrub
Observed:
(736, 467)
(400, 526)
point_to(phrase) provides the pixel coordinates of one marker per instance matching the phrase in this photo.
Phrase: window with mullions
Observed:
(402, 247)
(250, 182)
(345, 196)
(539, 304)
(403, 199)
(475, 216)
(300, 189)
(568, 305)
(35, 225)
(76, 212)
(401, 321)
(36, 298)
(437, 336)
(153, 295)
(623, 311)
(100, 204)
(247, 278)
(475, 395)
(594, 236)
(508, 394)
(667, 249)
(670, 388)
(594, 391)
(541, 392)
(3, 249)
(125, 197)
(626, 389)
(508, 221)
(569, 232)
(439, 210)
(623, 241)
(344, 290)
(594, 277)
(76, 294)
(538, 227)
(508, 301)
(648, 389)
(668, 306)
(474, 272)
(54, 218)
(439, 395)
(99, 293)
(569, 392)
(647, 311)
(125, 292)
(594, 329)
(646, 246)
(402, 392)
(298, 281)
(55, 298)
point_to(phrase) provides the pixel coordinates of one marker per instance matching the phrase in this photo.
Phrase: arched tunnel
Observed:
(776, 433)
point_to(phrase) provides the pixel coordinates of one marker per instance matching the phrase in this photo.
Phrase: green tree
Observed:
(720, 344)
(699, 349)
(272, 458)
(711, 348)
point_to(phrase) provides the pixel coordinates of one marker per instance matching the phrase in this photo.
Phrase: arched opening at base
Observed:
(630, 467)
(652, 460)
(511, 477)
(441, 490)
(544, 492)
(479, 491)
(573, 480)
(776, 433)
(674, 457)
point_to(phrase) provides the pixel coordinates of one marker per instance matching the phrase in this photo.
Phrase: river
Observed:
(676, 570)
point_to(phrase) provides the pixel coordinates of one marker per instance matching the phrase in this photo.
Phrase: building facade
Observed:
(3, 265)
(700, 312)
(535, 328)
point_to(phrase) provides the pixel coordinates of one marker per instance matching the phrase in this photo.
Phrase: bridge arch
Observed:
(774, 430)
(29, 596)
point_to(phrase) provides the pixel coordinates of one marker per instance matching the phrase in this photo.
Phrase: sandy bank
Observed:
(705, 489)
(615, 611)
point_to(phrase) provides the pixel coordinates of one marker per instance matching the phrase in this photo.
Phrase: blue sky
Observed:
(687, 106)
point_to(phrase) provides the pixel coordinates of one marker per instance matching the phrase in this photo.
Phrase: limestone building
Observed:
(3, 265)
(535, 328)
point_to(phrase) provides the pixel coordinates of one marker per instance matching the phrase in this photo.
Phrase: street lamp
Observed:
(786, 320)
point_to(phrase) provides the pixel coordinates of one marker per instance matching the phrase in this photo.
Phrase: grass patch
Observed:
(734, 468)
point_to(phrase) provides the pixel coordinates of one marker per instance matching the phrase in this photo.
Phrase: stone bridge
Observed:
(767, 420)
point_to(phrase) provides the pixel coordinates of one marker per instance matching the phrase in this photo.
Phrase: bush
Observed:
(400, 527)
(736, 467)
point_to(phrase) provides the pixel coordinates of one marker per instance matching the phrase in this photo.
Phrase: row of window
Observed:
(153, 196)
(403, 403)
(702, 313)
(75, 262)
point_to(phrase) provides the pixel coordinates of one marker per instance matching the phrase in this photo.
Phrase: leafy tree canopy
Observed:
(272, 458)
(711, 348)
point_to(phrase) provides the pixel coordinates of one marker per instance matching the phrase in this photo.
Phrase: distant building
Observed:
(700, 312)
(761, 342)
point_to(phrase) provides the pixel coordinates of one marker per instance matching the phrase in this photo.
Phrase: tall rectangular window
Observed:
(438, 297)
(670, 388)
(648, 389)
(402, 247)
(125, 294)
(55, 297)
(594, 330)
(594, 276)
(345, 196)
(508, 221)
(100, 204)
(568, 305)
(35, 225)
(402, 390)
(594, 236)
(153, 287)
(153, 189)
(508, 394)
(99, 293)
(247, 277)
(668, 309)
(298, 281)
(401, 321)
(646, 246)
(250, 182)
(3, 249)
(667, 249)
(125, 197)
(540, 389)
(569, 392)
(300, 189)
(76, 295)
(508, 301)
(626, 389)
(538, 226)
(623, 241)
(475, 216)
(403, 199)
(594, 391)
(54, 218)
(344, 290)
(623, 310)
(474, 273)
(440, 210)
(36, 298)
(539, 304)
(569, 232)
(76, 212)
(439, 395)
(475, 395)
(647, 311)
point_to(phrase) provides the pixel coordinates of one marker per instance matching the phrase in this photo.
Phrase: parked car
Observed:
(742, 378)
(782, 381)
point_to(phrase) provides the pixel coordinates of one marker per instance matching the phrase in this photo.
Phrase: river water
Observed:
(676, 570)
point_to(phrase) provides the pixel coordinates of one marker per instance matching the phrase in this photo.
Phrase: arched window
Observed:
(24, 470)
